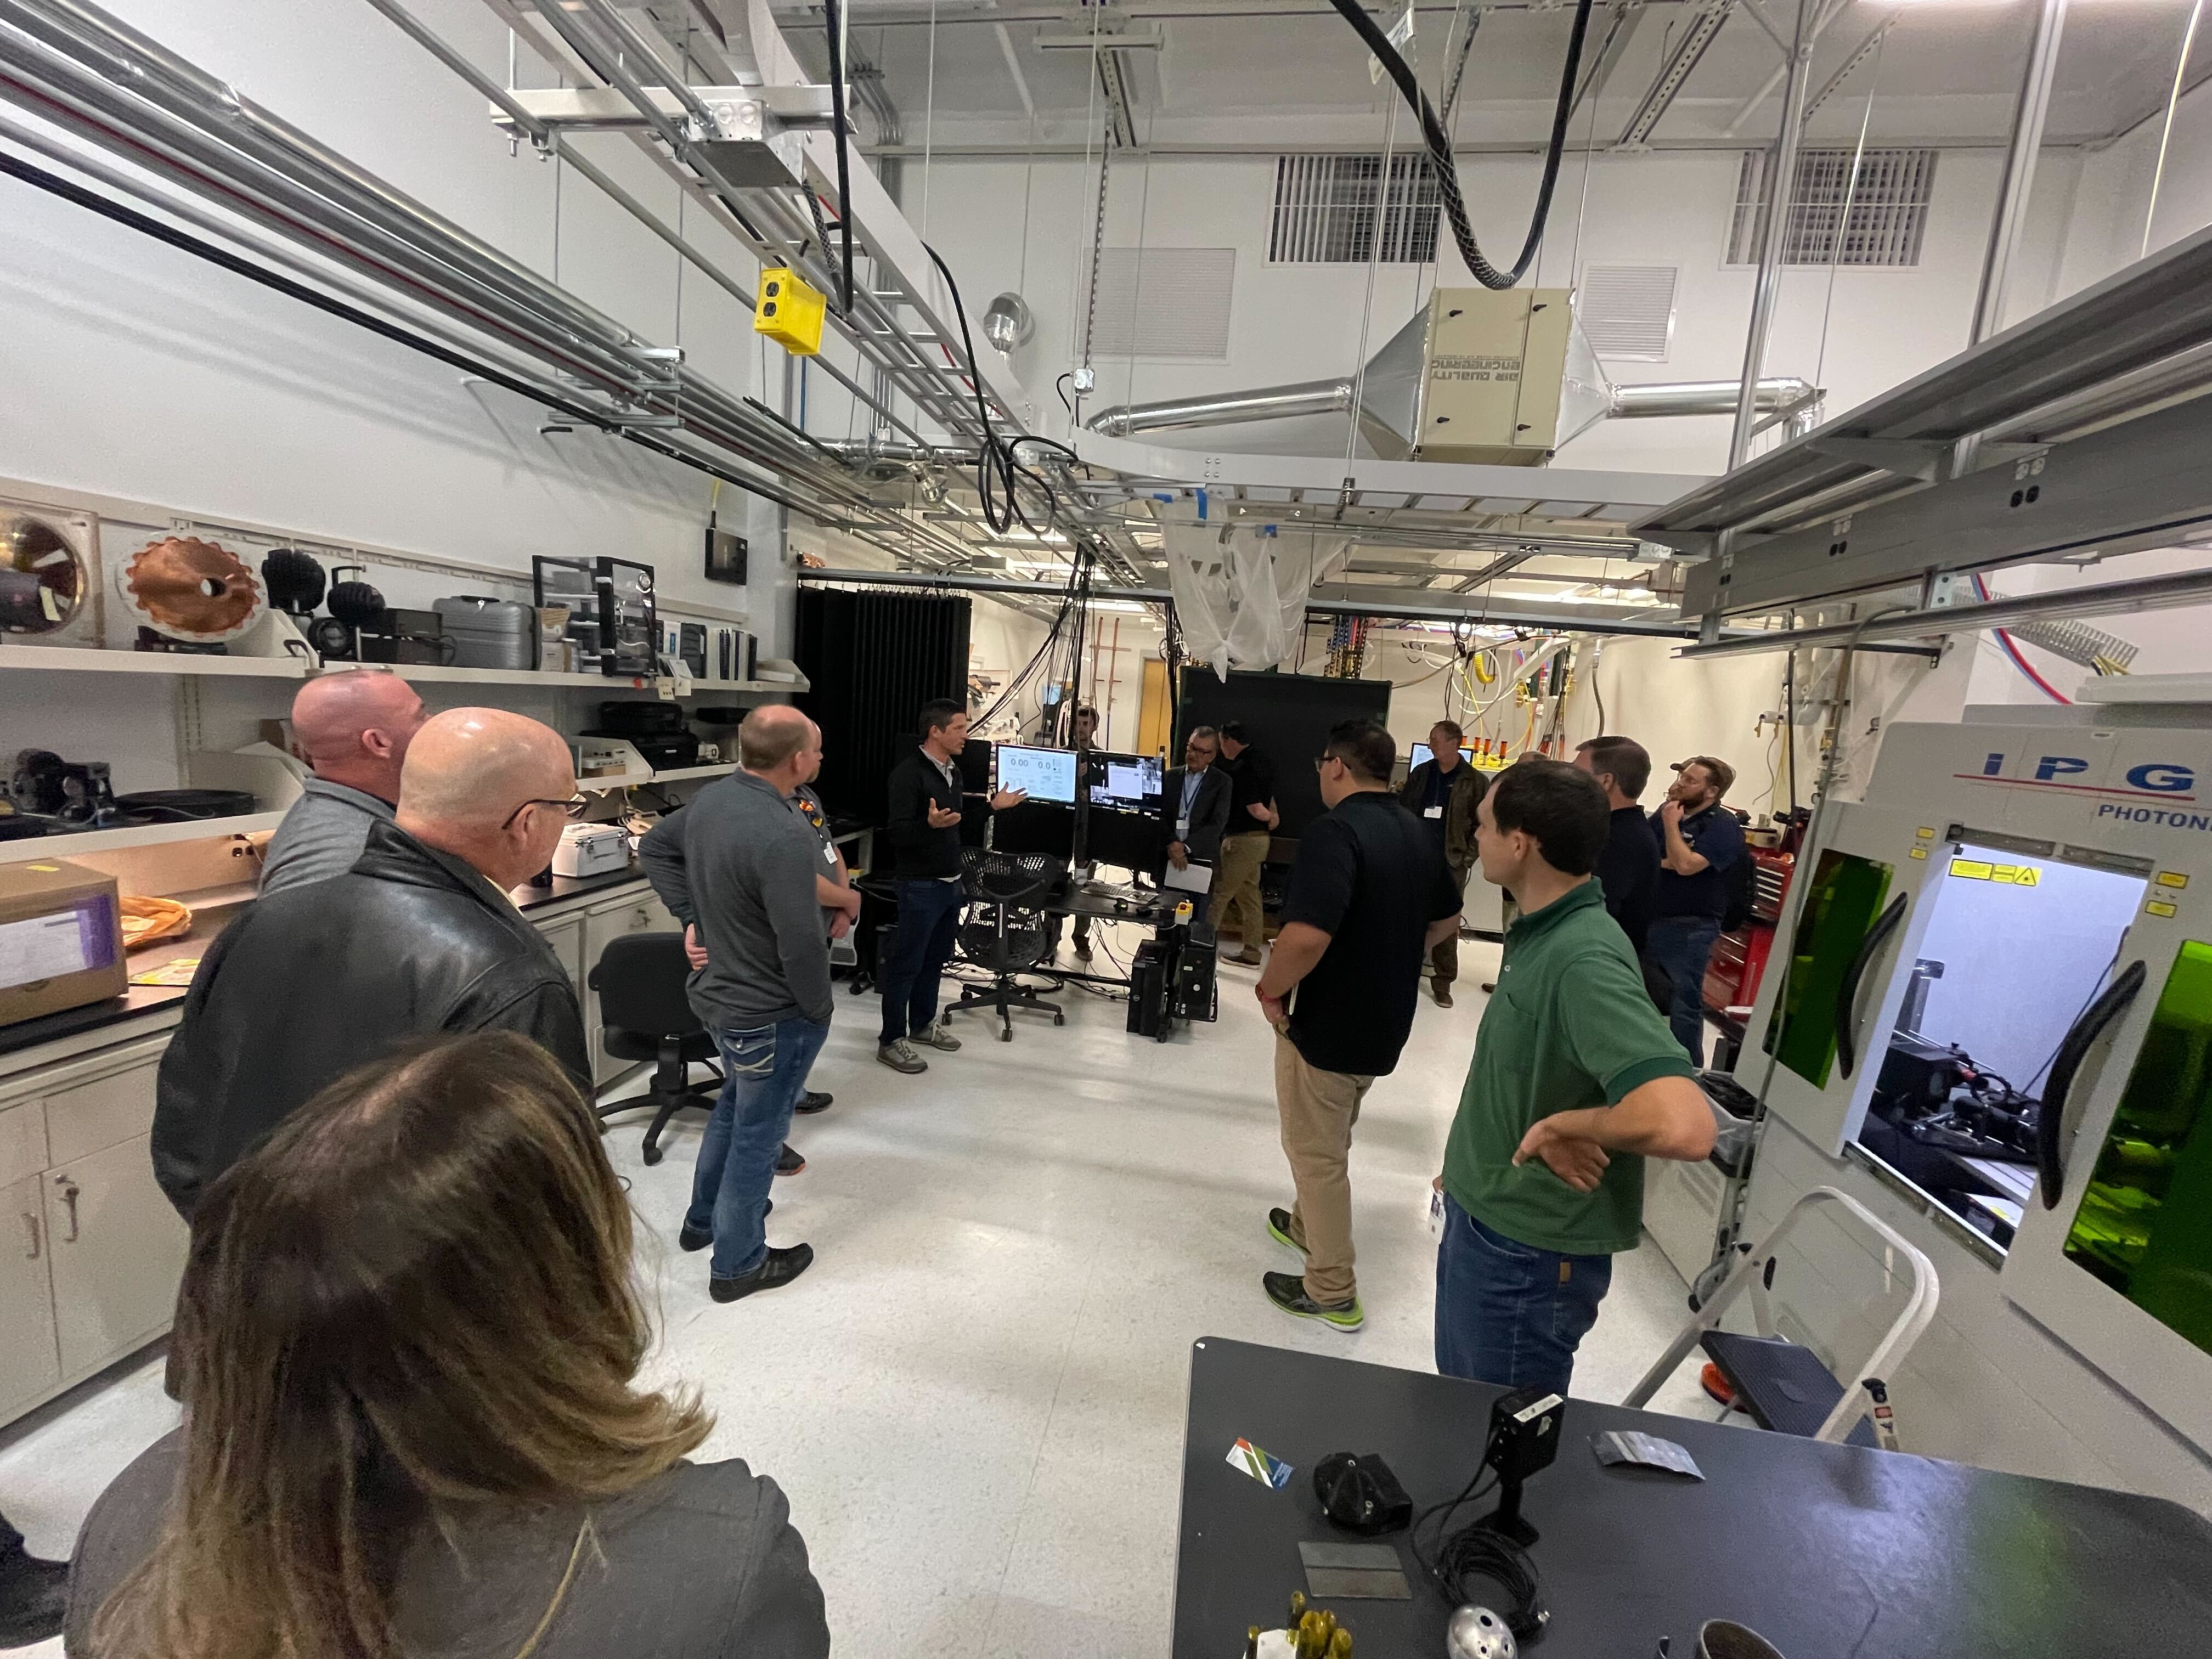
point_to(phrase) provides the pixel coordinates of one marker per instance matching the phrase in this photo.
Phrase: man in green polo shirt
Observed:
(1576, 1080)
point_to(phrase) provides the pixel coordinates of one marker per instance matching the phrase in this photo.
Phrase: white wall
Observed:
(1300, 322)
(134, 369)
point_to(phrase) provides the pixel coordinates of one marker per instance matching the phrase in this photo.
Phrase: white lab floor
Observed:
(975, 1397)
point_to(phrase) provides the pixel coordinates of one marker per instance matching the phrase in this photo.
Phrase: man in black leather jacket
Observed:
(419, 938)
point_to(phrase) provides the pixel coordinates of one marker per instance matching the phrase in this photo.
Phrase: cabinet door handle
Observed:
(69, 1191)
(31, 1226)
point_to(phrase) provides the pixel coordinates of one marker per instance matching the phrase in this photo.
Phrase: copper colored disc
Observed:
(191, 589)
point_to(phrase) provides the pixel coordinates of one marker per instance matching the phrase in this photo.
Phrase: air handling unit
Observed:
(1488, 376)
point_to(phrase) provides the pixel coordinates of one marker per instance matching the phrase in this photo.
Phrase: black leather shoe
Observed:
(781, 1267)
(788, 1162)
(812, 1102)
(34, 1599)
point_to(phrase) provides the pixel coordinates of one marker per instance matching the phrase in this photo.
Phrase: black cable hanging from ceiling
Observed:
(839, 125)
(1439, 143)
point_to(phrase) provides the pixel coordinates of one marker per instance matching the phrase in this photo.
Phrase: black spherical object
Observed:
(294, 579)
(356, 603)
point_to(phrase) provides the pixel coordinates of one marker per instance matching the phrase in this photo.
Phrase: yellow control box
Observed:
(789, 311)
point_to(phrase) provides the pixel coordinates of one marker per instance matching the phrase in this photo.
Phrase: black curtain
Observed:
(1289, 716)
(873, 659)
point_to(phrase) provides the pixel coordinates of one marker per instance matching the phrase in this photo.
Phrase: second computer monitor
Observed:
(1044, 775)
(1422, 753)
(1128, 782)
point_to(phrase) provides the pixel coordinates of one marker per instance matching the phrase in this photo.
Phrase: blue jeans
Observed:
(764, 1072)
(922, 943)
(1509, 1313)
(1681, 946)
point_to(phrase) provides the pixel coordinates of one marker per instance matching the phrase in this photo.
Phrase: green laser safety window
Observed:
(2145, 1222)
(1846, 896)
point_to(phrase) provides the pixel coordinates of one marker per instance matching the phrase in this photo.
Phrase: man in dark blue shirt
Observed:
(1700, 843)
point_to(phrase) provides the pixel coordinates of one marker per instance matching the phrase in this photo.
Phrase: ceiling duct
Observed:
(1501, 377)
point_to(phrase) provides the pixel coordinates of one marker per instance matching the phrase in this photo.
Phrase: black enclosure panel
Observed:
(1289, 716)
(873, 659)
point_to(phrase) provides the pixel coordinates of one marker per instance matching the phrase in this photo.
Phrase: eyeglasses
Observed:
(1321, 762)
(574, 807)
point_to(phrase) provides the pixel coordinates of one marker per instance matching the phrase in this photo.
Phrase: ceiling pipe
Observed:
(1777, 395)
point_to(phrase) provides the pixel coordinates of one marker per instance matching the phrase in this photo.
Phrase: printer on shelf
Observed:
(591, 849)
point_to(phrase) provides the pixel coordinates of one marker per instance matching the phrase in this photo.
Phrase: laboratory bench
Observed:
(89, 1272)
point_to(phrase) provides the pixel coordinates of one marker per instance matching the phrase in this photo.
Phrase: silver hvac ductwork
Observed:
(1478, 374)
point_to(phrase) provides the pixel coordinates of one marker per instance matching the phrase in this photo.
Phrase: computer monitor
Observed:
(1131, 841)
(1422, 753)
(1130, 783)
(975, 766)
(1045, 775)
(1036, 828)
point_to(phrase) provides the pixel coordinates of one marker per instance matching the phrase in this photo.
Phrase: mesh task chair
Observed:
(644, 1014)
(1006, 931)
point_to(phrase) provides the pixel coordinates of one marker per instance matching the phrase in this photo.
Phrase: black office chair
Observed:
(644, 1014)
(1006, 931)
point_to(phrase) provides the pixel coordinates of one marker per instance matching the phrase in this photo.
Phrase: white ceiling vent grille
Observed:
(1889, 208)
(1628, 311)
(1164, 302)
(1325, 210)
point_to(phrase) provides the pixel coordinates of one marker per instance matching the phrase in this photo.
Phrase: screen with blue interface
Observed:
(1042, 773)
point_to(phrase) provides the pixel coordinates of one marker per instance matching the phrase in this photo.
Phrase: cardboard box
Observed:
(61, 938)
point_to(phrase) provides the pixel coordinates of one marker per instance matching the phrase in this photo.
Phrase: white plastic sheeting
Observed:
(1241, 589)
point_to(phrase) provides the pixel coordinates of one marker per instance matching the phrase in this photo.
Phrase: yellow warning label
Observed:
(2171, 878)
(2160, 908)
(1919, 852)
(2005, 875)
(1925, 832)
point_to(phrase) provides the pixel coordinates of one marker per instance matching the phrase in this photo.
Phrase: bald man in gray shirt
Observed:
(354, 726)
(738, 865)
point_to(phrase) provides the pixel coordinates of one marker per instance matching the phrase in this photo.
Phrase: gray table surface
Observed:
(1829, 1551)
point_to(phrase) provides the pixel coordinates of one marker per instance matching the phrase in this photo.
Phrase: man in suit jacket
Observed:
(1194, 800)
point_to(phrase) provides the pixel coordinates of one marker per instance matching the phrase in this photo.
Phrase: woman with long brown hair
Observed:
(408, 1344)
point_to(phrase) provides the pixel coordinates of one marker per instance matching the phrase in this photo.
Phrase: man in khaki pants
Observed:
(1252, 822)
(1369, 896)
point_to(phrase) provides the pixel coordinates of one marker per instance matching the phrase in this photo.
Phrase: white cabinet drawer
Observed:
(22, 1141)
(117, 1250)
(28, 1363)
(89, 1116)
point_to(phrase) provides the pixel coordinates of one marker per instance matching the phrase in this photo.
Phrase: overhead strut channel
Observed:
(72, 64)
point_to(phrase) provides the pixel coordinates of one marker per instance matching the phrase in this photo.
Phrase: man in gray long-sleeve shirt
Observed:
(738, 865)
(354, 726)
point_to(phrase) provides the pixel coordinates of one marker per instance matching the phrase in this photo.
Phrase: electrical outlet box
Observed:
(788, 310)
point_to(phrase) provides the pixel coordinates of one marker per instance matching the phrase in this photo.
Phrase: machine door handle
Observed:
(2049, 1154)
(1847, 994)
(31, 1227)
(69, 1191)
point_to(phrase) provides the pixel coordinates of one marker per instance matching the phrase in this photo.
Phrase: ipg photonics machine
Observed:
(1995, 1029)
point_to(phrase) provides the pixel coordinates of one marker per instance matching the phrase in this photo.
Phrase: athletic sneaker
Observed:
(1288, 1292)
(900, 1057)
(812, 1102)
(779, 1268)
(1279, 1229)
(788, 1162)
(939, 1038)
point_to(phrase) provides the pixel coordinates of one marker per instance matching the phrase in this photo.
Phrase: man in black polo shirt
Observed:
(1628, 866)
(1700, 843)
(1370, 895)
(924, 825)
(1252, 821)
